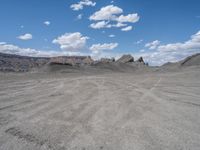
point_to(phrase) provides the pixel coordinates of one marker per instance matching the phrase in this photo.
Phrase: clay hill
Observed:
(193, 60)
(16, 63)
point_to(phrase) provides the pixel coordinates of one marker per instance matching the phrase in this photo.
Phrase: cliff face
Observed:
(71, 60)
(16, 63)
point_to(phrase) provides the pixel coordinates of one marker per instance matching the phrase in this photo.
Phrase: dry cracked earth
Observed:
(114, 111)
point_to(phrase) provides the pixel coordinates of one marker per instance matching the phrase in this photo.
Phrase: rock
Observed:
(71, 60)
(126, 59)
(141, 60)
(16, 63)
(107, 60)
(88, 60)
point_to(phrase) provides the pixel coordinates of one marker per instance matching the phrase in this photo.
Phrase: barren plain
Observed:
(111, 111)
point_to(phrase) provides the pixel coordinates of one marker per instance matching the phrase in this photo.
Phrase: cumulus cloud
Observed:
(153, 45)
(172, 52)
(192, 44)
(110, 14)
(100, 24)
(95, 48)
(71, 41)
(81, 4)
(129, 18)
(127, 28)
(13, 49)
(106, 13)
(26, 36)
(106, 24)
(119, 24)
(47, 23)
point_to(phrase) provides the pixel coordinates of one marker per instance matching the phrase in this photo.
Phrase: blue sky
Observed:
(160, 31)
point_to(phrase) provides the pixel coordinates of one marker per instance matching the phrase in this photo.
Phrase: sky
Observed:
(159, 30)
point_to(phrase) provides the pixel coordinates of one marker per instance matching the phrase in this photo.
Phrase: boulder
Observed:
(126, 59)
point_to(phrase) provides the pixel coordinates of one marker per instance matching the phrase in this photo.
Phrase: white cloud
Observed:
(192, 44)
(112, 2)
(47, 23)
(106, 24)
(71, 41)
(100, 24)
(127, 28)
(119, 24)
(26, 36)
(172, 52)
(80, 16)
(81, 4)
(13, 49)
(95, 48)
(152, 45)
(106, 13)
(111, 35)
(112, 16)
(129, 18)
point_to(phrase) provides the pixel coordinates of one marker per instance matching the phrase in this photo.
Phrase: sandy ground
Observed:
(116, 111)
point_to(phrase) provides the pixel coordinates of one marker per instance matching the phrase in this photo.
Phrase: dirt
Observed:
(111, 111)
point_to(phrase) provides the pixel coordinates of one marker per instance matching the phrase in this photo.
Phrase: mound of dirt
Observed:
(193, 60)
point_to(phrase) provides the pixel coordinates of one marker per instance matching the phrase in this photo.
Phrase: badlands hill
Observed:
(193, 60)
(16, 63)
(127, 63)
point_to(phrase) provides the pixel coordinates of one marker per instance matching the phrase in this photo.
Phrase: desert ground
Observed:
(111, 111)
